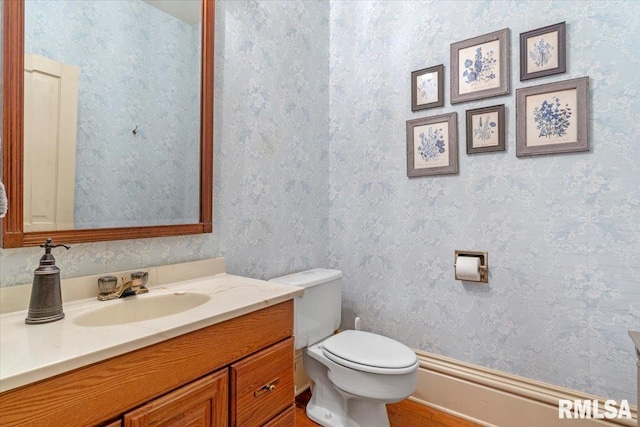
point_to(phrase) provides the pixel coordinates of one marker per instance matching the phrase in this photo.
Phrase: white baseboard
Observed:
(493, 398)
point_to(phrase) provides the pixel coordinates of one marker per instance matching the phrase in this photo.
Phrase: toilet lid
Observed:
(369, 352)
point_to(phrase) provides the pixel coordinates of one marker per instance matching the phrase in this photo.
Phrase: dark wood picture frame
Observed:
(561, 51)
(554, 123)
(503, 67)
(439, 102)
(450, 145)
(486, 129)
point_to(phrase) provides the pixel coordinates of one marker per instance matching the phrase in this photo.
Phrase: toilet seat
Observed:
(367, 352)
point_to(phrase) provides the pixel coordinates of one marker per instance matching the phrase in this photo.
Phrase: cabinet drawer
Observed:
(262, 385)
(285, 419)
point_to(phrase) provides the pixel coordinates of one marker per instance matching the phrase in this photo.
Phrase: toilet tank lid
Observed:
(306, 279)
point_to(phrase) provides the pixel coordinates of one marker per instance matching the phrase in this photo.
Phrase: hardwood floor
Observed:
(411, 414)
(403, 414)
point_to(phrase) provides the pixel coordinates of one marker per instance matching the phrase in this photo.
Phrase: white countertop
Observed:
(29, 353)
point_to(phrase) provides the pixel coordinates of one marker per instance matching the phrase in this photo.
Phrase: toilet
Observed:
(355, 373)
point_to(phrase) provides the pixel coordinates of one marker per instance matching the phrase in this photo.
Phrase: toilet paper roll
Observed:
(468, 268)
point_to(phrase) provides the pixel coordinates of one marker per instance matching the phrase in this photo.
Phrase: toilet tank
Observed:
(317, 312)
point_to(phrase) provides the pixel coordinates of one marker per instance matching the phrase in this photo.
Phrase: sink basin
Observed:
(137, 309)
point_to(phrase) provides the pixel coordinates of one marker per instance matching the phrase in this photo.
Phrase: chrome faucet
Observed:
(108, 288)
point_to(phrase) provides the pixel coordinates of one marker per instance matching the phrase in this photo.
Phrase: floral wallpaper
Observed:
(132, 76)
(310, 170)
(562, 231)
(271, 159)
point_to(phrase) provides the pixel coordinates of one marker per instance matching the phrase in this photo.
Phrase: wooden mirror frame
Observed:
(13, 235)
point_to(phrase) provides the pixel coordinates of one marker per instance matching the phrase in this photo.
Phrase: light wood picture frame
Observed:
(432, 145)
(480, 67)
(552, 118)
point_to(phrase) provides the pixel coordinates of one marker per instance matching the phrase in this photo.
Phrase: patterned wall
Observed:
(562, 231)
(271, 154)
(131, 75)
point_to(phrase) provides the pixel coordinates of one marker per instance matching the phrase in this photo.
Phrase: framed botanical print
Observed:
(480, 67)
(552, 118)
(485, 129)
(432, 145)
(427, 88)
(543, 52)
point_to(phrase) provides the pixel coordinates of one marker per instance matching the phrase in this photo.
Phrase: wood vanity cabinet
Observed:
(202, 403)
(237, 373)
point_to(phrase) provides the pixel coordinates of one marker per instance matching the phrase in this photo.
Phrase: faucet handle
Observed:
(107, 284)
(143, 276)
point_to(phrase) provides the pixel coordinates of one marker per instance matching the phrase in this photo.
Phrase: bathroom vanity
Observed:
(227, 362)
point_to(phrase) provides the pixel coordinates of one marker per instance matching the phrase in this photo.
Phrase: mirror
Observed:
(138, 163)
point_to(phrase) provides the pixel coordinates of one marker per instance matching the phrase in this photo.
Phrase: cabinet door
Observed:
(262, 385)
(202, 403)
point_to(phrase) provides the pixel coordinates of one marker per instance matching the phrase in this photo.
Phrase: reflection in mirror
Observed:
(117, 130)
(111, 113)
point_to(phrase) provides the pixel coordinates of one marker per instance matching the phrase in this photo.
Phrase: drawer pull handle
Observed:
(269, 387)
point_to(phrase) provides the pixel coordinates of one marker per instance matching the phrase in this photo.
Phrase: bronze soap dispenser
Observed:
(46, 298)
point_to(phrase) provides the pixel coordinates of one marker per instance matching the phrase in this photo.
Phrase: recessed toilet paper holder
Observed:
(484, 263)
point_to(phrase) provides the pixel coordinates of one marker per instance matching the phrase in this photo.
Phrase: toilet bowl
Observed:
(355, 373)
(349, 392)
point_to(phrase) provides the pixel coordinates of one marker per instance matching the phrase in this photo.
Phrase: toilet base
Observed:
(323, 416)
(361, 413)
(327, 407)
(367, 413)
(331, 406)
